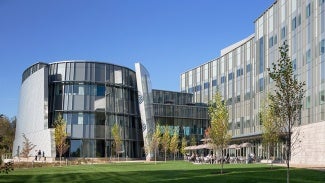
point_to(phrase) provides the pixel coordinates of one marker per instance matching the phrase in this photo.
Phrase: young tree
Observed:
(28, 146)
(156, 136)
(218, 132)
(192, 140)
(60, 136)
(165, 140)
(270, 125)
(173, 146)
(184, 144)
(116, 132)
(287, 98)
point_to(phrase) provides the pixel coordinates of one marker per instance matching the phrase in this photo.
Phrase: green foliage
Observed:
(192, 140)
(155, 141)
(218, 131)
(7, 167)
(165, 140)
(116, 132)
(173, 146)
(60, 136)
(184, 144)
(7, 135)
(287, 97)
(270, 124)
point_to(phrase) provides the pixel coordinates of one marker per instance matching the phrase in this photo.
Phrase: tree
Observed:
(192, 140)
(173, 146)
(7, 135)
(27, 147)
(218, 131)
(60, 136)
(156, 136)
(270, 126)
(184, 144)
(287, 98)
(165, 140)
(116, 132)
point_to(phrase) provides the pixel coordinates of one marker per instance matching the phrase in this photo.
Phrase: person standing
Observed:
(39, 155)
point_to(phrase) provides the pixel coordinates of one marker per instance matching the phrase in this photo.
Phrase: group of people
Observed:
(195, 158)
(39, 154)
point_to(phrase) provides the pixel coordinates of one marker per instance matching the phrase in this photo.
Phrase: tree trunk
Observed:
(155, 156)
(222, 160)
(174, 156)
(60, 159)
(165, 155)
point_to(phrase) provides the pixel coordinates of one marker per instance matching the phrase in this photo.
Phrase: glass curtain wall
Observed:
(92, 97)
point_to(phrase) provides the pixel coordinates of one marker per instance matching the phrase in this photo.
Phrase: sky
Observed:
(168, 37)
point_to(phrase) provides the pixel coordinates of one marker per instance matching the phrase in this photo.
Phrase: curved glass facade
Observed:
(92, 97)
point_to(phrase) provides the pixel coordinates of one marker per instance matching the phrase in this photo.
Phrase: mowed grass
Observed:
(179, 171)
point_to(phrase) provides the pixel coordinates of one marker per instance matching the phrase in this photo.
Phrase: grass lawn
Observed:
(178, 171)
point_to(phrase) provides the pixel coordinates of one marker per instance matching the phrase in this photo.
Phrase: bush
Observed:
(7, 167)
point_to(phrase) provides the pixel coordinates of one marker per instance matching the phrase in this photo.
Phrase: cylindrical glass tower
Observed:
(92, 97)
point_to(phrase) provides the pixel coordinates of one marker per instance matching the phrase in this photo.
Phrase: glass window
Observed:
(294, 23)
(206, 85)
(283, 32)
(270, 42)
(308, 56)
(214, 82)
(100, 90)
(223, 79)
(308, 102)
(308, 11)
(261, 55)
(240, 72)
(230, 76)
(322, 97)
(322, 71)
(75, 148)
(294, 64)
(321, 2)
(261, 84)
(322, 47)
(248, 68)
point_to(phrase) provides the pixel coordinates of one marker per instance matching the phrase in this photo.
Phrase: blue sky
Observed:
(168, 36)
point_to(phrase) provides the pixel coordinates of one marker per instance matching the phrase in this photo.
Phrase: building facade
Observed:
(92, 97)
(240, 75)
(178, 111)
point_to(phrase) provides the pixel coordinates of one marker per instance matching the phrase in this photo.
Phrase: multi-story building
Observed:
(240, 75)
(92, 97)
(177, 111)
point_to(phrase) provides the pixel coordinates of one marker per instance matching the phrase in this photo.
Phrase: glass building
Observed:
(178, 112)
(240, 75)
(92, 97)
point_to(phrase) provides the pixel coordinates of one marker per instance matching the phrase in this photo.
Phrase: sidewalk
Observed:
(313, 167)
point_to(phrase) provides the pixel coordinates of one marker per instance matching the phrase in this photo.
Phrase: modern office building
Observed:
(92, 97)
(178, 111)
(240, 75)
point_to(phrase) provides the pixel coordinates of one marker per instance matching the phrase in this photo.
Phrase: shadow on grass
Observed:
(163, 173)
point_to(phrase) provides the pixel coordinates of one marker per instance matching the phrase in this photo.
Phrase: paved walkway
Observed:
(313, 167)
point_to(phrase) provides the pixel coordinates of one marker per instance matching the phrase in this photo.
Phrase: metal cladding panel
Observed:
(32, 115)
(145, 106)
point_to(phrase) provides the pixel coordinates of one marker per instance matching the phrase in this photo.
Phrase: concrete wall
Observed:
(310, 148)
(32, 115)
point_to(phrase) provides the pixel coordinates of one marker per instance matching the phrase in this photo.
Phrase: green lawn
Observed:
(178, 171)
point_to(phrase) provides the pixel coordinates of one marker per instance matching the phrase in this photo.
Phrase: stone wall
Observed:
(309, 149)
